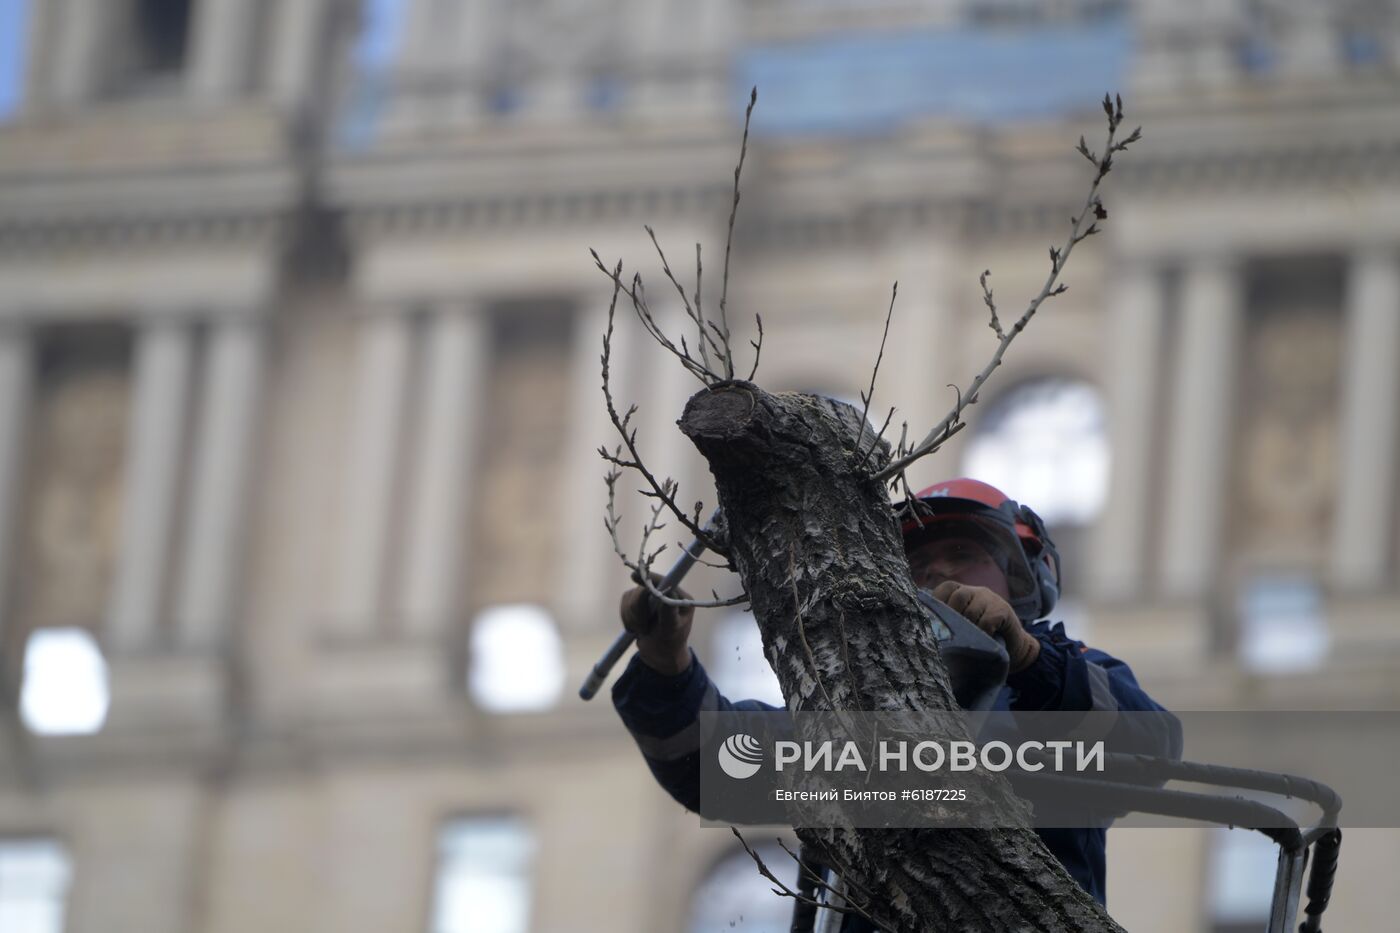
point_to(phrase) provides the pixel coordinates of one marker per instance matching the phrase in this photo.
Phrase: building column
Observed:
(1370, 392)
(219, 482)
(16, 384)
(163, 355)
(1199, 432)
(922, 354)
(221, 43)
(1136, 329)
(375, 437)
(450, 407)
(78, 56)
(293, 39)
(40, 41)
(477, 34)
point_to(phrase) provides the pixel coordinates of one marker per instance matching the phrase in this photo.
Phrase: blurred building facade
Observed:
(299, 409)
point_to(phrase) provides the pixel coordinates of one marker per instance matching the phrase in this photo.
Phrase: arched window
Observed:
(64, 690)
(734, 896)
(1045, 444)
(517, 659)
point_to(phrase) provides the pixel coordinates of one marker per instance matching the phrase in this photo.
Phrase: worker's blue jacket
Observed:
(662, 711)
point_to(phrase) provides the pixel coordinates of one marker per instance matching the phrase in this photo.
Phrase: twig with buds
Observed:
(952, 422)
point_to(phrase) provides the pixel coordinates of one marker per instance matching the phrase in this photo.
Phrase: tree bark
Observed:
(816, 543)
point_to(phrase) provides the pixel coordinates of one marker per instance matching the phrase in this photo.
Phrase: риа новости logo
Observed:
(740, 756)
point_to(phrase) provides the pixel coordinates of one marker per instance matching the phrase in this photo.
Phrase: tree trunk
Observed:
(816, 544)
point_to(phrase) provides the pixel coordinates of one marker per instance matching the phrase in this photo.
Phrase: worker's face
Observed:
(960, 559)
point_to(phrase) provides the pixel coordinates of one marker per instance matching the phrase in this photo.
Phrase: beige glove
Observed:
(993, 615)
(663, 632)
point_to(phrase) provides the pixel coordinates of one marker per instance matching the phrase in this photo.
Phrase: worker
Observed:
(989, 559)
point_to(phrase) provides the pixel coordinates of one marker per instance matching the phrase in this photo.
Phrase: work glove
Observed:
(993, 615)
(663, 632)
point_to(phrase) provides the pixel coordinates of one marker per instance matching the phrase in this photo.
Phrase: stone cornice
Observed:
(800, 194)
(1321, 163)
(154, 232)
(1019, 180)
(536, 209)
(156, 137)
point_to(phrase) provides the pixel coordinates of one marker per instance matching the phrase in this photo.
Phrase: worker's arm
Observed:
(1069, 675)
(662, 713)
(663, 690)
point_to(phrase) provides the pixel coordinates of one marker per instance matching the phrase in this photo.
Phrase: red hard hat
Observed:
(969, 491)
(1034, 571)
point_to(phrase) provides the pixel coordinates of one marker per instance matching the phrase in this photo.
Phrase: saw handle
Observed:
(594, 682)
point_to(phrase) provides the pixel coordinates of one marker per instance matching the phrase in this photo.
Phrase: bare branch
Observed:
(690, 310)
(805, 868)
(995, 323)
(713, 346)
(637, 293)
(729, 238)
(757, 346)
(784, 891)
(878, 436)
(641, 565)
(699, 271)
(629, 434)
(952, 422)
(865, 412)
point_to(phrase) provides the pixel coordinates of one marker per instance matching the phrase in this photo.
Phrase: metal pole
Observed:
(619, 647)
(1288, 887)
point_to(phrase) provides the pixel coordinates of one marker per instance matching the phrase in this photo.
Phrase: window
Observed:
(1243, 864)
(1044, 444)
(160, 36)
(64, 688)
(1362, 49)
(483, 876)
(1282, 625)
(517, 659)
(734, 896)
(149, 48)
(1256, 55)
(34, 877)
